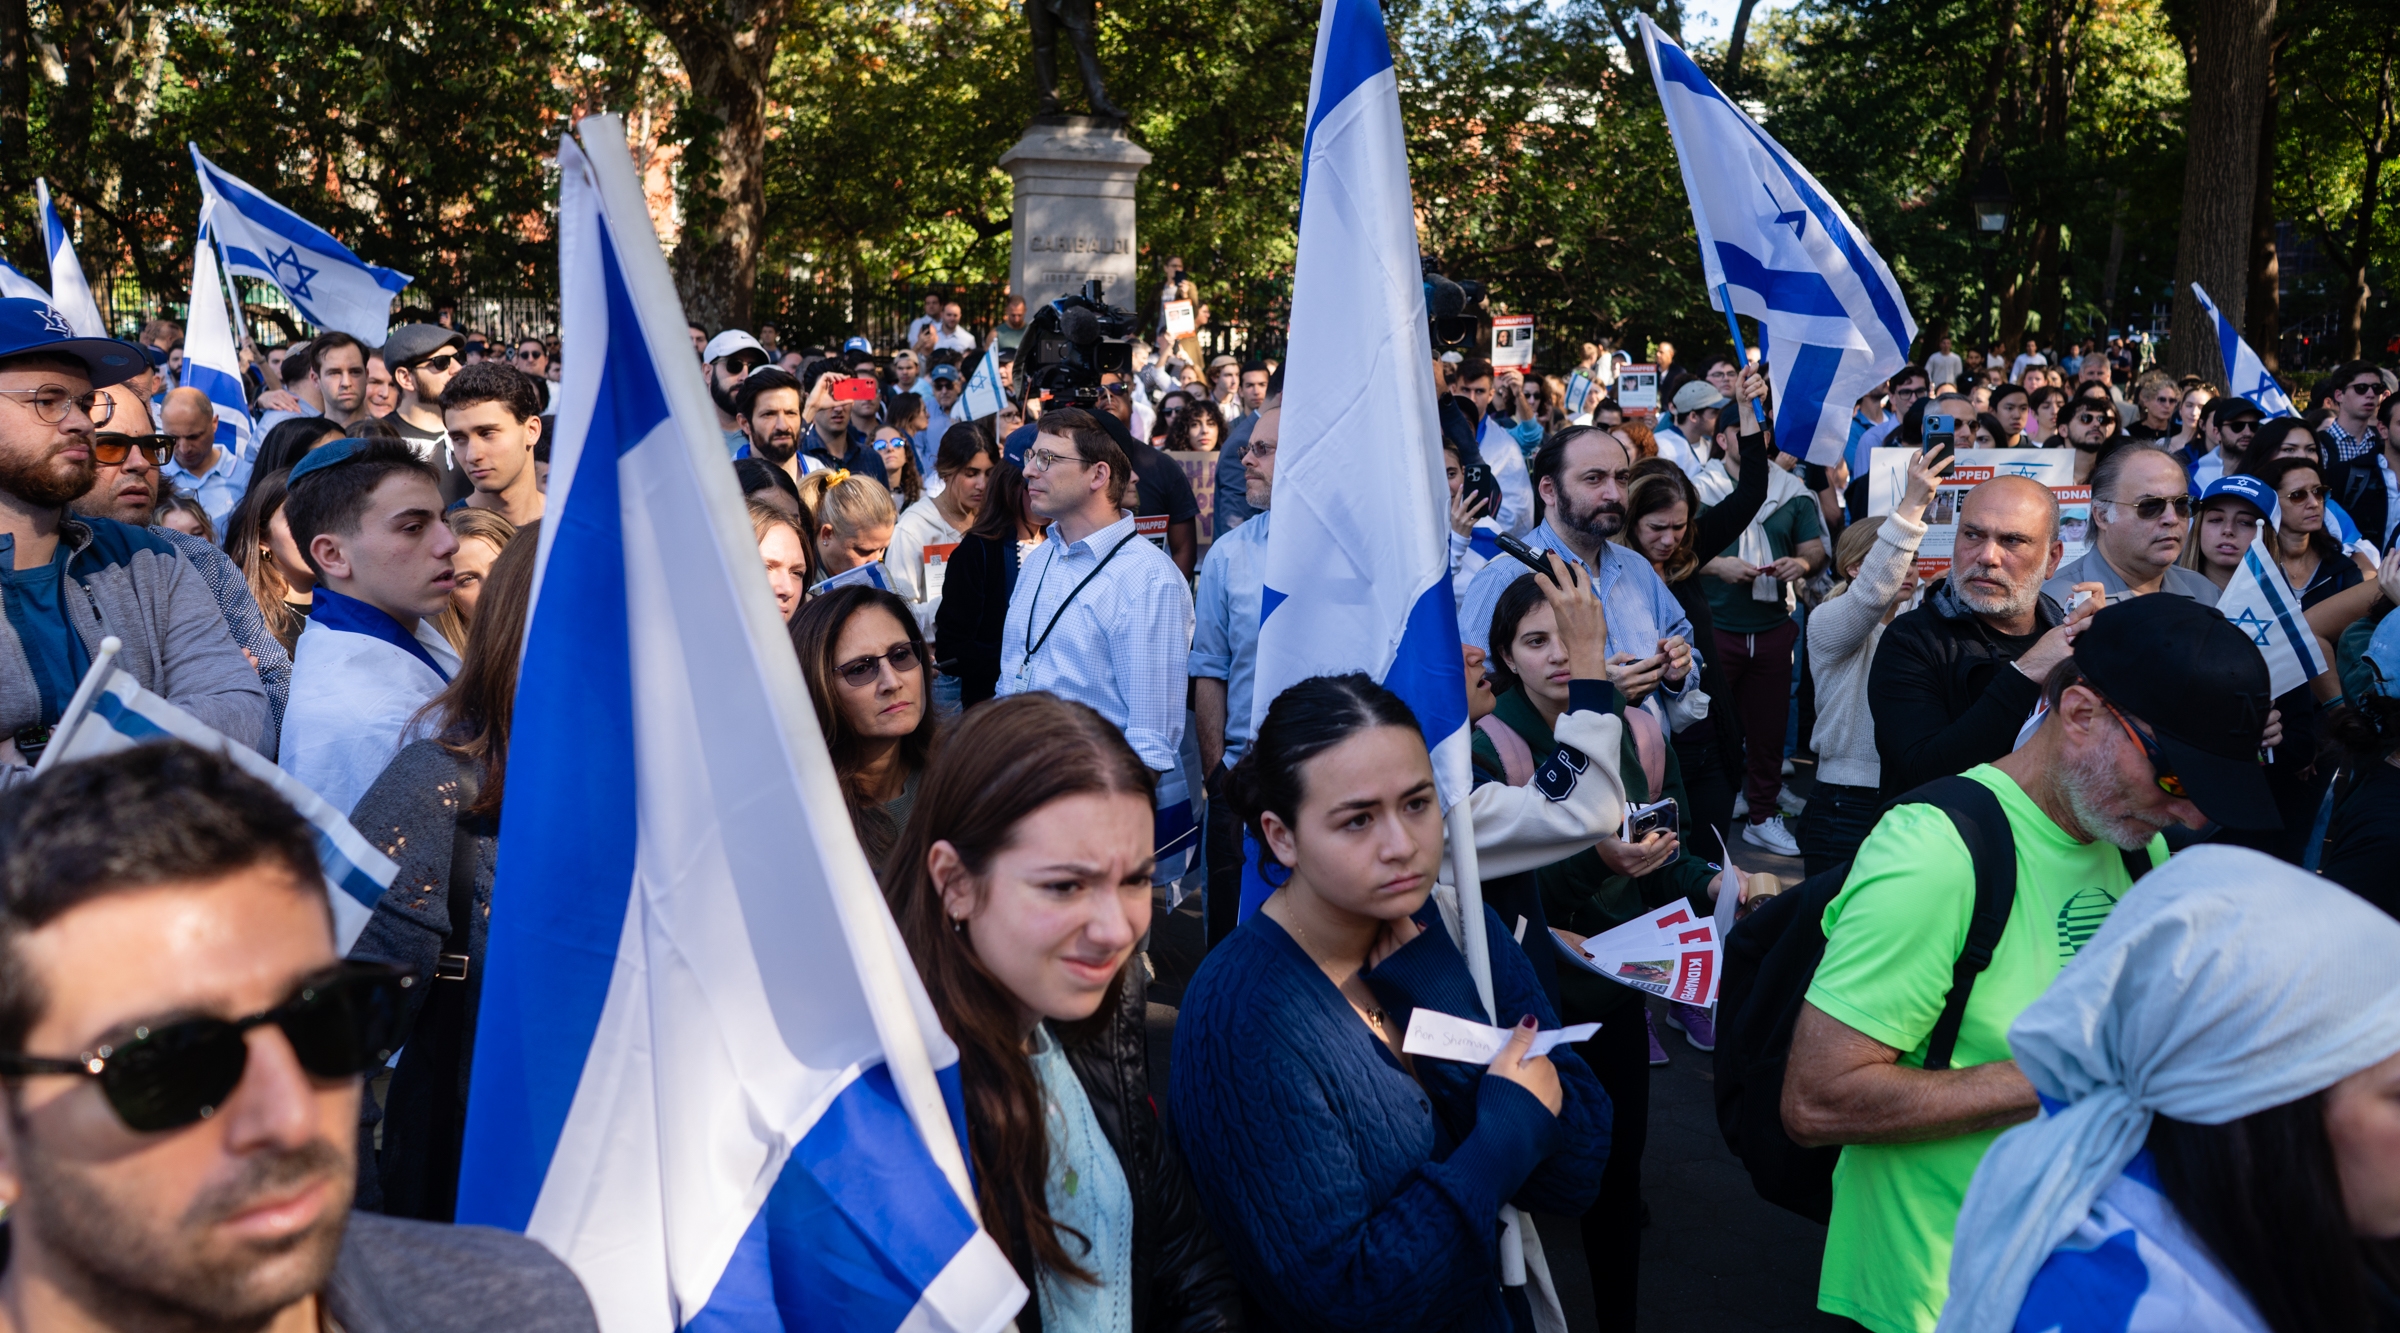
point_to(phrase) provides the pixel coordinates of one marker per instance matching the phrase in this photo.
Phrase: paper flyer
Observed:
(1448, 1037)
(1668, 953)
(1512, 341)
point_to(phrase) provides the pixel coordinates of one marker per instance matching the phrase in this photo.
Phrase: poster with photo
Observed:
(1512, 342)
(2054, 468)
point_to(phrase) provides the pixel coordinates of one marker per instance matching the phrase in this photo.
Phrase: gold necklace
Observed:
(1376, 1017)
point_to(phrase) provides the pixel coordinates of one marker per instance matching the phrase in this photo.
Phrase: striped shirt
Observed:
(1118, 645)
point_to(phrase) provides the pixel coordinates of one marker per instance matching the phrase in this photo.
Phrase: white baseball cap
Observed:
(727, 343)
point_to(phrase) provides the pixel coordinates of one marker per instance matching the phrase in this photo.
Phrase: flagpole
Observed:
(1733, 326)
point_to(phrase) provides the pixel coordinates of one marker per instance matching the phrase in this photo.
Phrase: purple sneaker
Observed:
(1695, 1024)
(1658, 1053)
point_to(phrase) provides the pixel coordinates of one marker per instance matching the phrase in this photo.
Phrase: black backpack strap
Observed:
(2137, 864)
(1983, 826)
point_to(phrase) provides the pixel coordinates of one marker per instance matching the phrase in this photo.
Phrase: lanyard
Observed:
(1026, 666)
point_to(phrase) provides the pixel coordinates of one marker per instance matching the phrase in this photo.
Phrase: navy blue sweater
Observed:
(1348, 1194)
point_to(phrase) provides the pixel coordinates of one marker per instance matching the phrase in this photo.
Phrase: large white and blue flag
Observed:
(210, 363)
(14, 283)
(69, 294)
(330, 287)
(986, 392)
(706, 1075)
(2245, 373)
(2260, 603)
(1775, 244)
(111, 712)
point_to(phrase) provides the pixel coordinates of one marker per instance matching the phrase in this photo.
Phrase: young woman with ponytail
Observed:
(1021, 883)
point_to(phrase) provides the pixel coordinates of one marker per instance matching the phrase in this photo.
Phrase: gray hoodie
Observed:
(131, 584)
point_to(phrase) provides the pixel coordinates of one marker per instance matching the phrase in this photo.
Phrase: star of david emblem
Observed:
(56, 322)
(2252, 623)
(297, 283)
(1797, 219)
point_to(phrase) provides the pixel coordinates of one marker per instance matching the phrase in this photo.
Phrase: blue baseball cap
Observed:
(857, 344)
(2382, 659)
(2260, 496)
(28, 326)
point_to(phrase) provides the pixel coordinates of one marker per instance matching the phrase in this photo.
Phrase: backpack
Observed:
(1771, 956)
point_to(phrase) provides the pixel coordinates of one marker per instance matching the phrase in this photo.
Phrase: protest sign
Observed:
(1668, 953)
(1637, 389)
(1512, 342)
(1181, 320)
(2054, 468)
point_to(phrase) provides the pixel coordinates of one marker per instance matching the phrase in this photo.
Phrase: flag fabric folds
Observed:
(1774, 240)
(1358, 563)
(14, 283)
(706, 1074)
(986, 392)
(330, 287)
(69, 294)
(2244, 371)
(2260, 603)
(210, 363)
(112, 712)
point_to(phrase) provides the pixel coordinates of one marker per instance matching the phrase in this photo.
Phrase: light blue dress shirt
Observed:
(1225, 623)
(1641, 610)
(219, 489)
(1118, 646)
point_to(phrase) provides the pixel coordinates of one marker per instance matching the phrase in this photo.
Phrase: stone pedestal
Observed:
(1074, 209)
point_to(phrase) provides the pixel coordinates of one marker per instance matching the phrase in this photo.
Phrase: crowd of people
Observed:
(2165, 1093)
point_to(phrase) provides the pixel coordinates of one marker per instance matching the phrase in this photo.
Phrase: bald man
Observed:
(201, 467)
(1954, 679)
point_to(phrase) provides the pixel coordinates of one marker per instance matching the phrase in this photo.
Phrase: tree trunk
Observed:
(2116, 258)
(2370, 200)
(16, 92)
(1987, 98)
(2220, 175)
(1734, 44)
(727, 50)
(2262, 325)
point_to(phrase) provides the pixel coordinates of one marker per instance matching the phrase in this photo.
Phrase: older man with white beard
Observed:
(1955, 679)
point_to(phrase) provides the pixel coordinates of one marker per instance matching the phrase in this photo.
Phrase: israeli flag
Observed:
(210, 363)
(1358, 558)
(2243, 370)
(69, 294)
(330, 287)
(14, 283)
(2259, 602)
(986, 392)
(112, 712)
(1776, 245)
(706, 1075)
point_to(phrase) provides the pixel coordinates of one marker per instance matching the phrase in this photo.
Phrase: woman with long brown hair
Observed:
(1022, 887)
(436, 811)
(259, 542)
(482, 535)
(869, 675)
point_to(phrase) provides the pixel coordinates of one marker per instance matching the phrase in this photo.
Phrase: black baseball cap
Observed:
(2228, 407)
(2203, 689)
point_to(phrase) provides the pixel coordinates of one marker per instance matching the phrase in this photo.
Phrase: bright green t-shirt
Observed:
(1891, 937)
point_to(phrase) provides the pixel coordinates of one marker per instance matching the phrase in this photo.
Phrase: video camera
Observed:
(1454, 311)
(1070, 343)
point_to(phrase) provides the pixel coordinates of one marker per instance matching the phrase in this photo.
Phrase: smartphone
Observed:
(857, 389)
(1525, 555)
(1941, 435)
(1476, 479)
(1648, 819)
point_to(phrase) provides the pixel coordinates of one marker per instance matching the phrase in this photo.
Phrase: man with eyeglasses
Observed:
(337, 372)
(2141, 515)
(2349, 433)
(2227, 425)
(2157, 718)
(423, 358)
(729, 356)
(185, 1055)
(201, 467)
(1224, 664)
(66, 580)
(2368, 487)
(1909, 388)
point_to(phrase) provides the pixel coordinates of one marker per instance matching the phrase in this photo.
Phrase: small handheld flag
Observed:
(986, 392)
(2259, 602)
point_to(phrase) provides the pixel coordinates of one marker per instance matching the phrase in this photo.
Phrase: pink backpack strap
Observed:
(1516, 757)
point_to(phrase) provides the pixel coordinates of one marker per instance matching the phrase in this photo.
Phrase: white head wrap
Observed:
(2226, 983)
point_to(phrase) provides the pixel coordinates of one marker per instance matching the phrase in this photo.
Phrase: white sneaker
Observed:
(1790, 802)
(1771, 835)
(1741, 805)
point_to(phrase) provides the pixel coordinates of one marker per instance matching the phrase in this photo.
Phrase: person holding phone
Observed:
(833, 437)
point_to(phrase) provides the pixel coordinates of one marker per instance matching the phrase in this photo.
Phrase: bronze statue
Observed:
(1076, 17)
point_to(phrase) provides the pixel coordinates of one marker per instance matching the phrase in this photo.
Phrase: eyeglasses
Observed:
(1259, 449)
(2149, 507)
(112, 448)
(527, 354)
(441, 363)
(2159, 772)
(860, 674)
(1042, 460)
(50, 403)
(1112, 391)
(341, 1023)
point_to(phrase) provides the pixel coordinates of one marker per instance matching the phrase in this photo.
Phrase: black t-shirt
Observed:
(434, 447)
(1158, 481)
(2362, 845)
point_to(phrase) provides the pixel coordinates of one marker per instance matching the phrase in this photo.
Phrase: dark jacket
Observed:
(2357, 486)
(974, 609)
(861, 458)
(1944, 695)
(1182, 1282)
(394, 1275)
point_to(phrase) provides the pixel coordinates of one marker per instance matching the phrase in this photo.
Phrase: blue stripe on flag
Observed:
(568, 881)
(809, 1262)
(1804, 387)
(2302, 641)
(1429, 671)
(224, 393)
(267, 215)
(1792, 291)
(126, 722)
(1356, 49)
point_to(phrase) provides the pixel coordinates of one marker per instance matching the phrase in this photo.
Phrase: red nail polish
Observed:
(1529, 1021)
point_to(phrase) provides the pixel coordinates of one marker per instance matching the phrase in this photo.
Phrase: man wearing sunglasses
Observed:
(2358, 389)
(2157, 718)
(2141, 515)
(183, 1053)
(2227, 424)
(70, 580)
(2368, 487)
(423, 358)
(730, 356)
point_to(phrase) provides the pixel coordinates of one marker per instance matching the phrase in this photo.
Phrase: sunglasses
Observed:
(2159, 772)
(341, 1022)
(861, 673)
(2149, 507)
(114, 448)
(441, 363)
(2094, 418)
